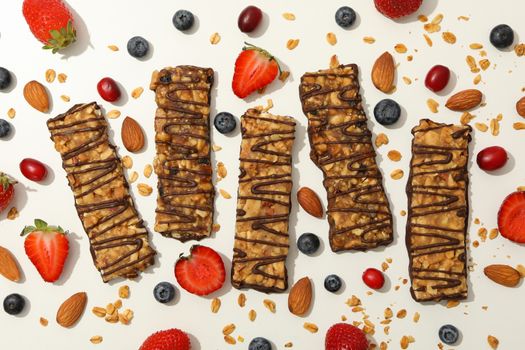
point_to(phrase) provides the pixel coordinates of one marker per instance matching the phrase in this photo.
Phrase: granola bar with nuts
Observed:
(341, 146)
(437, 220)
(182, 127)
(118, 238)
(263, 202)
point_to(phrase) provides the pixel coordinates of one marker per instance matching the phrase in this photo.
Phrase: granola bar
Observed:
(437, 220)
(263, 202)
(341, 146)
(118, 238)
(182, 127)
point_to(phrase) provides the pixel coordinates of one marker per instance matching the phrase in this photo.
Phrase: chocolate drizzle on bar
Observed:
(118, 238)
(263, 203)
(438, 211)
(341, 146)
(185, 200)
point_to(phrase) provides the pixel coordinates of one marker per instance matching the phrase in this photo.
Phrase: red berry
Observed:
(249, 19)
(492, 158)
(171, 339)
(344, 336)
(33, 170)
(397, 8)
(437, 78)
(373, 278)
(7, 191)
(108, 89)
(511, 217)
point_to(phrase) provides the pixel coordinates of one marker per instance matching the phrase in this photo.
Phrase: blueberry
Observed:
(165, 79)
(345, 17)
(183, 20)
(138, 47)
(332, 283)
(260, 343)
(308, 243)
(387, 112)
(224, 122)
(5, 78)
(164, 292)
(14, 304)
(5, 129)
(448, 334)
(502, 36)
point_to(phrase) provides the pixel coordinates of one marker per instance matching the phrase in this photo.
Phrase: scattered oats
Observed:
(215, 228)
(215, 305)
(382, 139)
(386, 330)
(388, 313)
(493, 233)
(221, 170)
(466, 117)
(369, 330)
(97, 339)
(389, 260)
(334, 61)
(137, 92)
(484, 64)
(422, 18)
(43, 321)
(416, 317)
(113, 114)
(452, 303)
(240, 339)
(449, 37)
(215, 38)
(144, 189)
(292, 44)
(437, 19)
(520, 188)
(50, 75)
(481, 127)
(133, 177)
(369, 293)
(112, 318)
(471, 61)
(99, 311)
(311, 327)
(499, 117)
(289, 16)
(65, 98)
(353, 301)
(288, 345)
(113, 47)
(428, 40)
(252, 315)
(407, 80)
(384, 266)
(477, 79)
(485, 307)
(410, 58)
(463, 18)
(403, 213)
(519, 50)
(123, 318)
(482, 233)
(331, 38)
(62, 77)
(269, 304)
(475, 244)
(261, 90)
(400, 48)
(230, 340)
(356, 323)
(383, 346)
(225, 194)
(241, 300)
(432, 105)
(369, 40)
(357, 309)
(521, 270)
(493, 342)
(216, 148)
(127, 162)
(12, 213)
(404, 281)
(401, 313)
(518, 126)
(476, 221)
(432, 27)
(284, 75)
(118, 304)
(110, 309)
(343, 318)
(406, 341)
(228, 329)
(148, 170)
(394, 155)
(476, 46)
(11, 113)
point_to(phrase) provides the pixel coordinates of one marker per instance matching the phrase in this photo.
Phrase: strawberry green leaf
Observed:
(40, 224)
(28, 229)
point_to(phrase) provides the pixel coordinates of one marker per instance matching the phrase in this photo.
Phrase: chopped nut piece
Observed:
(12, 213)
(50, 75)
(394, 155)
(97, 339)
(482, 233)
(410, 58)
(62, 78)
(428, 40)
(215, 38)
(230, 340)
(452, 304)
(401, 313)
(221, 170)
(113, 47)
(334, 62)
(353, 301)
(407, 80)
(481, 127)
(65, 98)
(127, 162)
(493, 233)
(144, 189)
(476, 46)
(289, 16)
(311, 327)
(288, 345)
(43, 321)
(384, 266)
(113, 114)
(449, 37)
(400, 48)
(466, 118)
(284, 75)
(215, 305)
(11, 113)
(137, 92)
(369, 40)
(381, 140)
(397, 174)
(228, 329)
(416, 317)
(148, 170)
(493, 342)
(133, 177)
(432, 105)
(252, 315)
(388, 313)
(331, 38)
(519, 50)
(269, 304)
(241, 300)
(224, 194)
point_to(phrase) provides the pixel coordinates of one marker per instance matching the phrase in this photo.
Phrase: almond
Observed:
(8, 265)
(71, 309)
(503, 274)
(310, 202)
(383, 72)
(132, 135)
(36, 95)
(520, 107)
(300, 297)
(464, 100)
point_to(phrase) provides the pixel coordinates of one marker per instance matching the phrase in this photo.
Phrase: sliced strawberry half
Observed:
(202, 272)
(344, 336)
(255, 68)
(397, 8)
(7, 191)
(511, 217)
(171, 339)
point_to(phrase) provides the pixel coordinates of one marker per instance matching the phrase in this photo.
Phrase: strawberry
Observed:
(171, 339)
(47, 248)
(7, 191)
(254, 69)
(50, 22)
(511, 217)
(397, 8)
(202, 272)
(343, 336)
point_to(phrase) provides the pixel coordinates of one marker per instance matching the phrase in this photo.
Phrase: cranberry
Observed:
(492, 158)
(108, 89)
(249, 19)
(437, 78)
(33, 169)
(373, 278)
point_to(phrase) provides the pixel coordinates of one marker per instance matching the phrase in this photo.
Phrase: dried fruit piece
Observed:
(383, 72)
(310, 202)
(464, 100)
(71, 310)
(132, 135)
(520, 107)
(300, 297)
(36, 95)
(8, 265)
(503, 274)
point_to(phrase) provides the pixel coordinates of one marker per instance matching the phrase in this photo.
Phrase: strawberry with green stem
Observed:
(7, 190)
(47, 247)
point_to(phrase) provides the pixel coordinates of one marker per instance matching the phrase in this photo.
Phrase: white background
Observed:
(101, 23)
